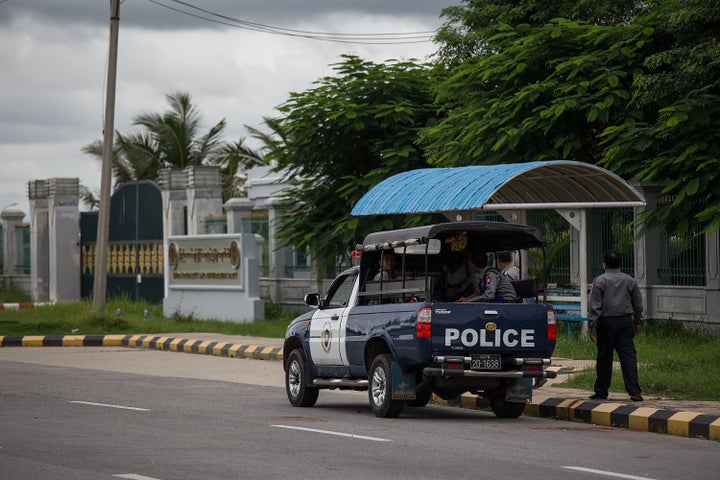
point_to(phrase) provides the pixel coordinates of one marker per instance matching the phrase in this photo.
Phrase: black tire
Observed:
(297, 376)
(422, 398)
(380, 389)
(504, 409)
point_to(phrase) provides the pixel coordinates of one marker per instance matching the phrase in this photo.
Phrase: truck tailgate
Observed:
(506, 328)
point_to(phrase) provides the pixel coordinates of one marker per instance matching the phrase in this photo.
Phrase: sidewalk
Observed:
(655, 414)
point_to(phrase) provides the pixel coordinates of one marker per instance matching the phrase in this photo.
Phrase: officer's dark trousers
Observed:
(616, 333)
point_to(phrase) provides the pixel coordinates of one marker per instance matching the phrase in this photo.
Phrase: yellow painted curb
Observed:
(640, 418)
(113, 340)
(33, 341)
(602, 414)
(714, 430)
(679, 424)
(73, 340)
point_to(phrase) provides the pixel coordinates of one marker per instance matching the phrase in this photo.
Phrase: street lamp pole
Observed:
(101, 251)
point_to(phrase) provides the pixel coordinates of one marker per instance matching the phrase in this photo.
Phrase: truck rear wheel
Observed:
(504, 409)
(380, 391)
(297, 377)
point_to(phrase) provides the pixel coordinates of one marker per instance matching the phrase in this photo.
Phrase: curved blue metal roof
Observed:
(547, 184)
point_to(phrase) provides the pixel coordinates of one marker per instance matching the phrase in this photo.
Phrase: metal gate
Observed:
(135, 249)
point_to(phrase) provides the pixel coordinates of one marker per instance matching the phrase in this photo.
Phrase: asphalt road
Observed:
(108, 413)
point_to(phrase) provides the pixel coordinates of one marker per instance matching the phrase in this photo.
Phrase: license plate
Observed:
(485, 362)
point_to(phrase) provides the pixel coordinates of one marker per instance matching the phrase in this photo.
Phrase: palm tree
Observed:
(173, 139)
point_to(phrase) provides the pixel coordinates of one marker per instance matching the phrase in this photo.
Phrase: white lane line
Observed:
(328, 432)
(135, 476)
(606, 473)
(123, 407)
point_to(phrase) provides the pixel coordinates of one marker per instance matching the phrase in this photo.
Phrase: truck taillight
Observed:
(423, 324)
(552, 324)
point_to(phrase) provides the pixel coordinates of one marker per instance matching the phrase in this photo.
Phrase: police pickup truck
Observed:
(402, 338)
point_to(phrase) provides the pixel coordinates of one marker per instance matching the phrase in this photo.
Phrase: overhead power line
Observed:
(388, 38)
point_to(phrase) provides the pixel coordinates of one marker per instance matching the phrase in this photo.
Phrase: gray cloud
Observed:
(53, 55)
(161, 14)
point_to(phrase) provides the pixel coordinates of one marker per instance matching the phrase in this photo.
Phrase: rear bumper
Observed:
(442, 368)
(461, 372)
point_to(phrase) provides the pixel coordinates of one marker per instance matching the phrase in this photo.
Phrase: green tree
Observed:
(546, 93)
(174, 139)
(337, 140)
(676, 140)
(469, 26)
(634, 90)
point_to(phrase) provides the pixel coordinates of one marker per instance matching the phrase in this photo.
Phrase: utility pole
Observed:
(101, 250)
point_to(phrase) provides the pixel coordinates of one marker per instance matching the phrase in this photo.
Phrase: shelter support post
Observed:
(577, 218)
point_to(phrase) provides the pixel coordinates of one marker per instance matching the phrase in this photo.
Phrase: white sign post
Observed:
(213, 277)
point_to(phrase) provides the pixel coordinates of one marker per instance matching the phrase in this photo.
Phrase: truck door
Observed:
(328, 323)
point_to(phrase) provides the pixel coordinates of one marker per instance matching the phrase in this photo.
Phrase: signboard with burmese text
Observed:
(205, 262)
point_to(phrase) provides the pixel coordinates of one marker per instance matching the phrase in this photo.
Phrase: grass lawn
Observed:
(125, 317)
(674, 363)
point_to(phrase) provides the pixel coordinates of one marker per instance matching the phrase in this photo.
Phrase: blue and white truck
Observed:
(403, 339)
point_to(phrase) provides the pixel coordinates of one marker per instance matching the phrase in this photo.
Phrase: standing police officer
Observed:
(615, 310)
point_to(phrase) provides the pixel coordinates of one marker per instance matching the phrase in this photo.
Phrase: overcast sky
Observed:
(53, 58)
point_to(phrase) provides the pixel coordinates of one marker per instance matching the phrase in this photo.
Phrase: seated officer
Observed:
(493, 286)
(387, 268)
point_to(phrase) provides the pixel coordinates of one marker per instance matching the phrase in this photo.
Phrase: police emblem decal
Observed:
(326, 339)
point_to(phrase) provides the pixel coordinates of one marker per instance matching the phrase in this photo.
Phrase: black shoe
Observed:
(636, 398)
(597, 396)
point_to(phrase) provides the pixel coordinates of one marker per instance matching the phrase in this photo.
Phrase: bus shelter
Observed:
(568, 187)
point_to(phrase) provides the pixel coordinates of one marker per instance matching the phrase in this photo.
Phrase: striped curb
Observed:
(18, 306)
(643, 419)
(206, 347)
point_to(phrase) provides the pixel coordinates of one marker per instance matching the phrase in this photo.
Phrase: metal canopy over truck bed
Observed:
(487, 236)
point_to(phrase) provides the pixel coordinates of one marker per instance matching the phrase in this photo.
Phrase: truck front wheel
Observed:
(297, 377)
(380, 389)
(504, 409)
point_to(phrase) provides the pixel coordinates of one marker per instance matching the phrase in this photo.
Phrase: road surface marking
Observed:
(134, 476)
(328, 432)
(110, 406)
(606, 473)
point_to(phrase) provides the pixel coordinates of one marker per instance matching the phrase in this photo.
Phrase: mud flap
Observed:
(403, 384)
(521, 391)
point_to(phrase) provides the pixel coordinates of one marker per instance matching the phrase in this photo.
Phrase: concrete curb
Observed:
(644, 419)
(18, 306)
(620, 415)
(206, 347)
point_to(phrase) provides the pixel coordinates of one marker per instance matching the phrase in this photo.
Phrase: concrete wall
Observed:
(290, 292)
(696, 307)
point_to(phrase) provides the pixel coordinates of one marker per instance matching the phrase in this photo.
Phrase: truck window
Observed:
(340, 290)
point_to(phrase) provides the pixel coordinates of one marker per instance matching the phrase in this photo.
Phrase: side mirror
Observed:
(312, 300)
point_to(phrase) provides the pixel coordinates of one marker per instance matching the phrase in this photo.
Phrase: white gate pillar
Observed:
(204, 197)
(64, 238)
(11, 217)
(39, 240)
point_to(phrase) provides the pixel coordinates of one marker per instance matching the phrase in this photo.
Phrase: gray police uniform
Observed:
(494, 287)
(615, 306)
